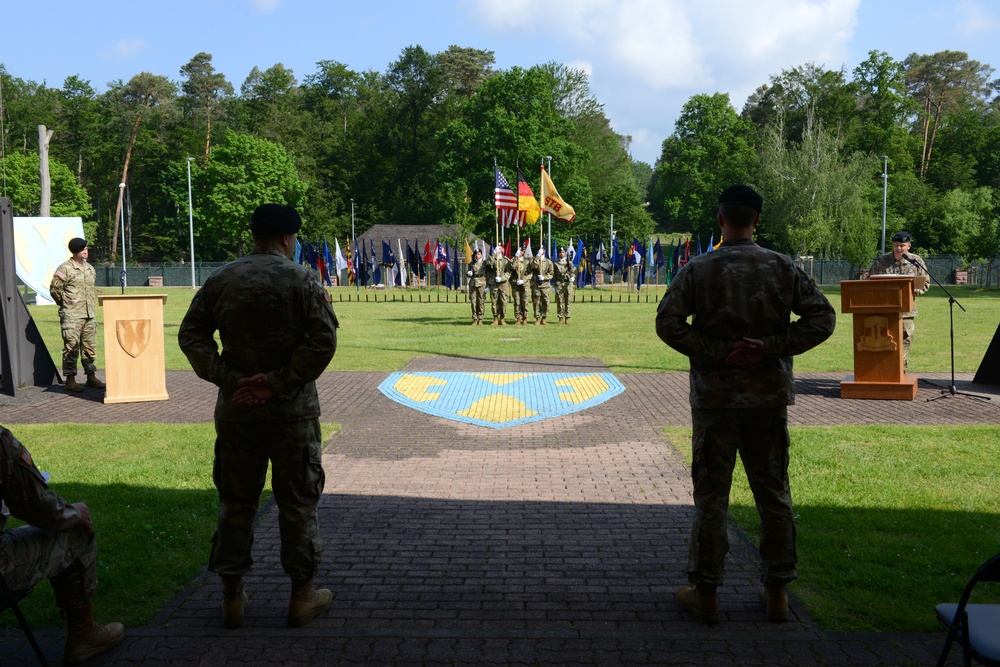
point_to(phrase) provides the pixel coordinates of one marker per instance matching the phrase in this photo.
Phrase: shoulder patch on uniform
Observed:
(327, 297)
(60, 275)
(26, 456)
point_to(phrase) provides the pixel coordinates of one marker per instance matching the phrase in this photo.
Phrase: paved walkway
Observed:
(553, 542)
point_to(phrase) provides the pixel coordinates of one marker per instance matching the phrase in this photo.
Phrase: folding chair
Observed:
(9, 600)
(975, 626)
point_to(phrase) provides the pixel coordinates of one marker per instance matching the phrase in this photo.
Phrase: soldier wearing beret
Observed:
(278, 333)
(740, 340)
(57, 544)
(902, 262)
(72, 288)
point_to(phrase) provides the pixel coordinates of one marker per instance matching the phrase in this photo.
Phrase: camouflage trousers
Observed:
(519, 297)
(242, 452)
(79, 340)
(908, 328)
(540, 301)
(564, 297)
(500, 296)
(477, 298)
(29, 554)
(760, 438)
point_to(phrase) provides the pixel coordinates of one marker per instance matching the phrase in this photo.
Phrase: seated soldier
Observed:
(58, 544)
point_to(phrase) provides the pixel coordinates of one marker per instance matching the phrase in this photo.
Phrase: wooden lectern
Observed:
(133, 347)
(878, 305)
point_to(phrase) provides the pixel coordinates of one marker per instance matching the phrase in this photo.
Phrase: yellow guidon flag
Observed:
(552, 202)
(527, 205)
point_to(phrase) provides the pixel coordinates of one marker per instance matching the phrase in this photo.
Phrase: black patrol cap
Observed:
(275, 219)
(902, 237)
(77, 245)
(741, 195)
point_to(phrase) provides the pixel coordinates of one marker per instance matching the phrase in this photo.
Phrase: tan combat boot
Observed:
(701, 601)
(94, 382)
(776, 600)
(537, 321)
(502, 323)
(543, 321)
(234, 601)
(560, 320)
(567, 321)
(72, 385)
(495, 322)
(307, 603)
(86, 638)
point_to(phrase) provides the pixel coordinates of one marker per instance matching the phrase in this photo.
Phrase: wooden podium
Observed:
(877, 306)
(133, 347)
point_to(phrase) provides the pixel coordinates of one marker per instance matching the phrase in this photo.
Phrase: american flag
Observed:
(505, 199)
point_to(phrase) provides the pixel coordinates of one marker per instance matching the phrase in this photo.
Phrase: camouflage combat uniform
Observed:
(55, 544)
(565, 280)
(72, 288)
(519, 279)
(273, 317)
(477, 289)
(541, 274)
(498, 277)
(887, 265)
(739, 291)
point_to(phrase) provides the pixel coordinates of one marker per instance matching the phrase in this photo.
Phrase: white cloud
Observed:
(124, 49)
(582, 65)
(974, 19)
(647, 57)
(265, 6)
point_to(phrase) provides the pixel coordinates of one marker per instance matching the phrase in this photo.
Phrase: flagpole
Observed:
(549, 215)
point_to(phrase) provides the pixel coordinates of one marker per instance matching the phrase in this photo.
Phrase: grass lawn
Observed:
(150, 491)
(384, 336)
(889, 521)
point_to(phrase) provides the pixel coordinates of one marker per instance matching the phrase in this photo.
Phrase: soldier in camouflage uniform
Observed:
(541, 275)
(58, 544)
(72, 288)
(498, 275)
(519, 279)
(900, 262)
(565, 279)
(278, 333)
(477, 287)
(740, 342)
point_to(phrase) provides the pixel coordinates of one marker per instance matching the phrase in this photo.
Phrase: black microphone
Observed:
(912, 261)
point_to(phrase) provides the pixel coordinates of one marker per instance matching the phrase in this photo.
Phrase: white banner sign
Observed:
(40, 246)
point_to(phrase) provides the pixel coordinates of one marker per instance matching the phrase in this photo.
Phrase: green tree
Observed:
(25, 193)
(241, 173)
(941, 83)
(817, 201)
(709, 150)
(204, 91)
(883, 107)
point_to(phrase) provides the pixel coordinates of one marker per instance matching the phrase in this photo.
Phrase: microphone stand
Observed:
(951, 390)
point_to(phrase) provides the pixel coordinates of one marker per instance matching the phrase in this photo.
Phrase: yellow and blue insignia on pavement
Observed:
(499, 400)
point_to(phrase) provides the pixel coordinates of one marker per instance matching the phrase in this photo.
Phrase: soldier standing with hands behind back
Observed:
(740, 340)
(72, 288)
(278, 333)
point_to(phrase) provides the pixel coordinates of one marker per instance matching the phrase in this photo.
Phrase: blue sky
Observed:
(645, 58)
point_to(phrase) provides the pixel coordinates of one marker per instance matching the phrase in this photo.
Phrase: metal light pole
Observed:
(124, 263)
(191, 222)
(549, 159)
(353, 237)
(885, 194)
